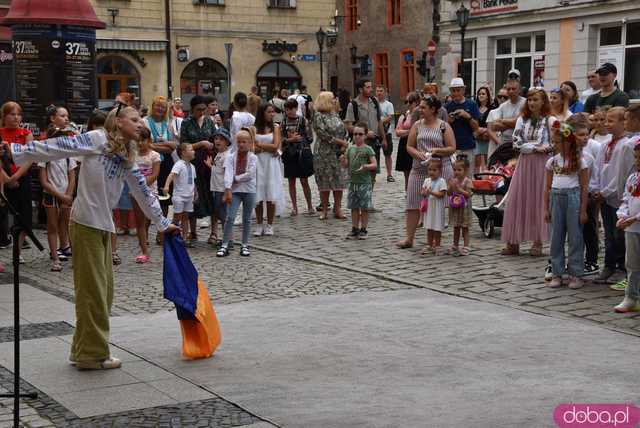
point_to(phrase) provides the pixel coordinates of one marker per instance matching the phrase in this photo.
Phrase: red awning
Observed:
(64, 12)
(5, 32)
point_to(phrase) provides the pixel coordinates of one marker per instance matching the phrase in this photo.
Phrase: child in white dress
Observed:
(435, 190)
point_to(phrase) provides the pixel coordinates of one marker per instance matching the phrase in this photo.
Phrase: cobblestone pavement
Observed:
(311, 257)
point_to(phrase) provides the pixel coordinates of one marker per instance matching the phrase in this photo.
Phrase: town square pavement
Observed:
(319, 331)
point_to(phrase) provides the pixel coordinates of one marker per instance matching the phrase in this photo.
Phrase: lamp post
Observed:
(321, 35)
(462, 18)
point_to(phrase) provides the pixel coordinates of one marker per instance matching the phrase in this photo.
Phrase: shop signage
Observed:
(5, 56)
(278, 48)
(307, 57)
(482, 7)
(55, 64)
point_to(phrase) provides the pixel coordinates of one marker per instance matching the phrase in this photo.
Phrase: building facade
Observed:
(384, 40)
(548, 41)
(273, 46)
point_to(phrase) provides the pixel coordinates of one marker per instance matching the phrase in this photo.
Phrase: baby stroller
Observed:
(495, 182)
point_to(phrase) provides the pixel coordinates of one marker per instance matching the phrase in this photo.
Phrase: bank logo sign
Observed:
(482, 7)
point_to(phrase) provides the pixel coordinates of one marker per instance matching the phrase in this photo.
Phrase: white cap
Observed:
(457, 82)
(514, 71)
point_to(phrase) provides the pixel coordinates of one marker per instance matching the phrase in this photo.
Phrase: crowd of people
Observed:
(574, 154)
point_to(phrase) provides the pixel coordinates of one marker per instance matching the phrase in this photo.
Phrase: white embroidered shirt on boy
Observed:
(184, 180)
(564, 181)
(100, 181)
(630, 206)
(606, 164)
(242, 183)
(217, 172)
(625, 164)
(58, 172)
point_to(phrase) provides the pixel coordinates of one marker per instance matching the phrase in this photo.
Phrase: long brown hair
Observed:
(546, 105)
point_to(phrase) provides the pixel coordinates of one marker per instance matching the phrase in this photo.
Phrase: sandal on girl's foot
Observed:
(535, 251)
(142, 259)
(213, 239)
(65, 252)
(404, 244)
(340, 216)
(294, 213)
(453, 251)
(115, 258)
(322, 217)
(510, 250)
(464, 251)
(56, 266)
(311, 212)
(427, 250)
(438, 251)
(244, 251)
(109, 363)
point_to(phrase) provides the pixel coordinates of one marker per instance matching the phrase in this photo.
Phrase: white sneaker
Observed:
(627, 305)
(259, 230)
(268, 230)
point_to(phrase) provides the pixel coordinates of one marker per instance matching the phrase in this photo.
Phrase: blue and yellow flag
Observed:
(198, 322)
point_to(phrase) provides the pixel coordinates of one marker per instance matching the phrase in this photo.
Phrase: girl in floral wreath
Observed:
(565, 201)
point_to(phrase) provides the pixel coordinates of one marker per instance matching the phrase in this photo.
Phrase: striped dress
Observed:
(427, 140)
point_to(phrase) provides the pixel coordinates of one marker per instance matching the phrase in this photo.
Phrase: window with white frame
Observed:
(470, 66)
(524, 53)
(620, 45)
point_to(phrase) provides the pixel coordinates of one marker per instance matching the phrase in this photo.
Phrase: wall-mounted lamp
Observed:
(114, 13)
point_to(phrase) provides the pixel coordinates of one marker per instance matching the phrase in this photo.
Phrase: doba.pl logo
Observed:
(596, 415)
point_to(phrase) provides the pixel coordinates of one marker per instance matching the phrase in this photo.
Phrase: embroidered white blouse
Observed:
(100, 181)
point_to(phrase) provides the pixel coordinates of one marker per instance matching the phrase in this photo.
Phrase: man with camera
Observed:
(463, 118)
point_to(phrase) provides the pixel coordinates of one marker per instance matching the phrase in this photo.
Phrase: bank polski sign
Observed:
(482, 7)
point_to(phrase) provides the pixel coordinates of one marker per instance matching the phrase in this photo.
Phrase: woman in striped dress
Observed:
(429, 136)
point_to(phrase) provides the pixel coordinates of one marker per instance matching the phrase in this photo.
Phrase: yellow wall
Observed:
(566, 49)
(205, 29)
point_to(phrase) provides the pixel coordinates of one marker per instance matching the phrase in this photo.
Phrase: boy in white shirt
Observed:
(183, 175)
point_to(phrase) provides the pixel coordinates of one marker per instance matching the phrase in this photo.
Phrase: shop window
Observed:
(393, 12)
(115, 74)
(525, 53)
(276, 75)
(282, 4)
(469, 66)
(204, 76)
(382, 69)
(351, 14)
(620, 45)
(407, 71)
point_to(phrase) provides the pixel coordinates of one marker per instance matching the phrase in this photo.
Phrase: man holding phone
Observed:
(463, 118)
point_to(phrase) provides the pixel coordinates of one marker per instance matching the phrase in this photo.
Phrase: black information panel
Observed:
(55, 64)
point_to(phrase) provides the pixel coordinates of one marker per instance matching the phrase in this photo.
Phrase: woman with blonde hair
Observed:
(330, 145)
(108, 161)
(559, 102)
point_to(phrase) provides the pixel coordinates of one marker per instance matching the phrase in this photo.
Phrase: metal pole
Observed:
(321, 70)
(461, 66)
(229, 48)
(167, 26)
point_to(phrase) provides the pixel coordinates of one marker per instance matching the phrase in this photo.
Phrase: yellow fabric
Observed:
(93, 284)
(201, 337)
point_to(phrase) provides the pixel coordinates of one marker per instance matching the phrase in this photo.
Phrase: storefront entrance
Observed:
(276, 75)
(204, 76)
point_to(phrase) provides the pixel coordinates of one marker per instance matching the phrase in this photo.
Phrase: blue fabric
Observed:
(462, 127)
(124, 203)
(576, 107)
(565, 225)
(180, 277)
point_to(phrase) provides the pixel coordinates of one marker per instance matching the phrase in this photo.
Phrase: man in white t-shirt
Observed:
(504, 120)
(594, 86)
(387, 111)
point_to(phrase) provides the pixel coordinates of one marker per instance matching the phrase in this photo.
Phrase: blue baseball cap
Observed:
(224, 133)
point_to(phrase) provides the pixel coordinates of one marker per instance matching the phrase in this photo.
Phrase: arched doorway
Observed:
(116, 74)
(276, 75)
(204, 76)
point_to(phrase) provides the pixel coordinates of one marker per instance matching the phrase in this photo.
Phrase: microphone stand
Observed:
(17, 228)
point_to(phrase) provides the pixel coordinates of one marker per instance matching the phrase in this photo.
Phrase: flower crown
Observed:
(567, 134)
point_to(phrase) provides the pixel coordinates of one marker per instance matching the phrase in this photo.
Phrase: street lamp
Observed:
(462, 18)
(321, 35)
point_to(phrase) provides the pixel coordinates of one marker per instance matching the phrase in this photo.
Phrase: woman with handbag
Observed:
(296, 155)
